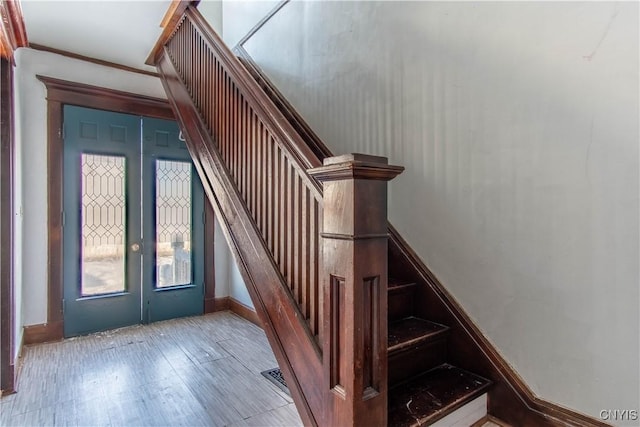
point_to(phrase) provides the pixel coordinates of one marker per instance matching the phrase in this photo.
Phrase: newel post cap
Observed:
(355, 166)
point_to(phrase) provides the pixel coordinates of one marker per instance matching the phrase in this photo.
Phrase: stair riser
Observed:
(400, 303)
(416, 359)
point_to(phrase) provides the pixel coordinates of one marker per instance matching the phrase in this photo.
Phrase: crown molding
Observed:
(13, 34)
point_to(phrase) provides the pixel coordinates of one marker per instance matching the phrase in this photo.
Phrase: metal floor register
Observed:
(275, 376)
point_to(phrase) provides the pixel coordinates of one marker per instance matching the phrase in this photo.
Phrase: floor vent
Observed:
(275, 376)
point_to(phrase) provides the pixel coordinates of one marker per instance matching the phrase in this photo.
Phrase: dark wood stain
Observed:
(401, 299)
(54, 213)
(72, 93)
(220, 304)
(109, 64)
(13, 33)
(355, 274)
(46, 332)
(244, 311)
(411, 331)
(436, 393)
(7, 309)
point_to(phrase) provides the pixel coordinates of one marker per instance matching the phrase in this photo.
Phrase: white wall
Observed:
(222, 258)
(237, 288)
(518, 127)
(212, 12)
(240, 16)
(31, 120)
(229, 282)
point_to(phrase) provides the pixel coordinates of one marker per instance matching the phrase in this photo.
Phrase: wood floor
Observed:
(194, 371)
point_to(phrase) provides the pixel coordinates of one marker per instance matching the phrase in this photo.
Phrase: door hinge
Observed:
(61, 132)
(63, 218)
(204, 218)
(64, 304)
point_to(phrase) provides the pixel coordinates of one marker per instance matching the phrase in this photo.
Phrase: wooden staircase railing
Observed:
(325, 317)
(268, 168)
(314, 258)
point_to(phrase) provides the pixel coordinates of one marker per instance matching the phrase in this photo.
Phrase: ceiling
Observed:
(123, 32)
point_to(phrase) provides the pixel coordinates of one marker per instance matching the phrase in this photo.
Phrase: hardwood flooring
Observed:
(197, 371)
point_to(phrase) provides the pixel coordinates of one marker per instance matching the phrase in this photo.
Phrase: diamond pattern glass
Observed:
(173, 223)
(103, 224)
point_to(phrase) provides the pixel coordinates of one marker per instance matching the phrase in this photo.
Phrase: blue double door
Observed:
(133, 234)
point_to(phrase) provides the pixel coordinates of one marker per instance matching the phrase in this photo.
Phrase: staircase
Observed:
(423, 387)
(310, 236)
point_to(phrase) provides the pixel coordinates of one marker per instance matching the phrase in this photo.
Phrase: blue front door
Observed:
(133, 228)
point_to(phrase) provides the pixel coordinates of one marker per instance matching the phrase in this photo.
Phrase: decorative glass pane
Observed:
(103, 224)
(173, 223)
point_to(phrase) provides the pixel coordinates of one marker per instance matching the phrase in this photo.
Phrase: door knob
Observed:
(135, 247)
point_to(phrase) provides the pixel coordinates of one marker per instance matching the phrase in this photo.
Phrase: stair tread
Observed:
(395, 284)
(412, 330)
(433, 395)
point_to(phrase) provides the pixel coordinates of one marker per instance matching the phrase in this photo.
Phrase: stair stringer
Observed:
(300, 359)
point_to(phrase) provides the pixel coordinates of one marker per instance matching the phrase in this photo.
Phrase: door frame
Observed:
(59, 93)
(7, 284)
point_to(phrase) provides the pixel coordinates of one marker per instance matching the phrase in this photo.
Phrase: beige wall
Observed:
(518, 127)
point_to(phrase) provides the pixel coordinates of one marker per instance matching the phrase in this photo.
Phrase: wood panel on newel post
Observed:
(354, 279)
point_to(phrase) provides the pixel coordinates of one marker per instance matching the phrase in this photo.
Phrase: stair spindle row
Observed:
(287, 210)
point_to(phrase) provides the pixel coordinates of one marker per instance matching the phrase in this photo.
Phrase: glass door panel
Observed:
(103, 224)
(173, 223)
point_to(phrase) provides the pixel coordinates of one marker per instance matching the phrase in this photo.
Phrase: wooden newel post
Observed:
(354, 279)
